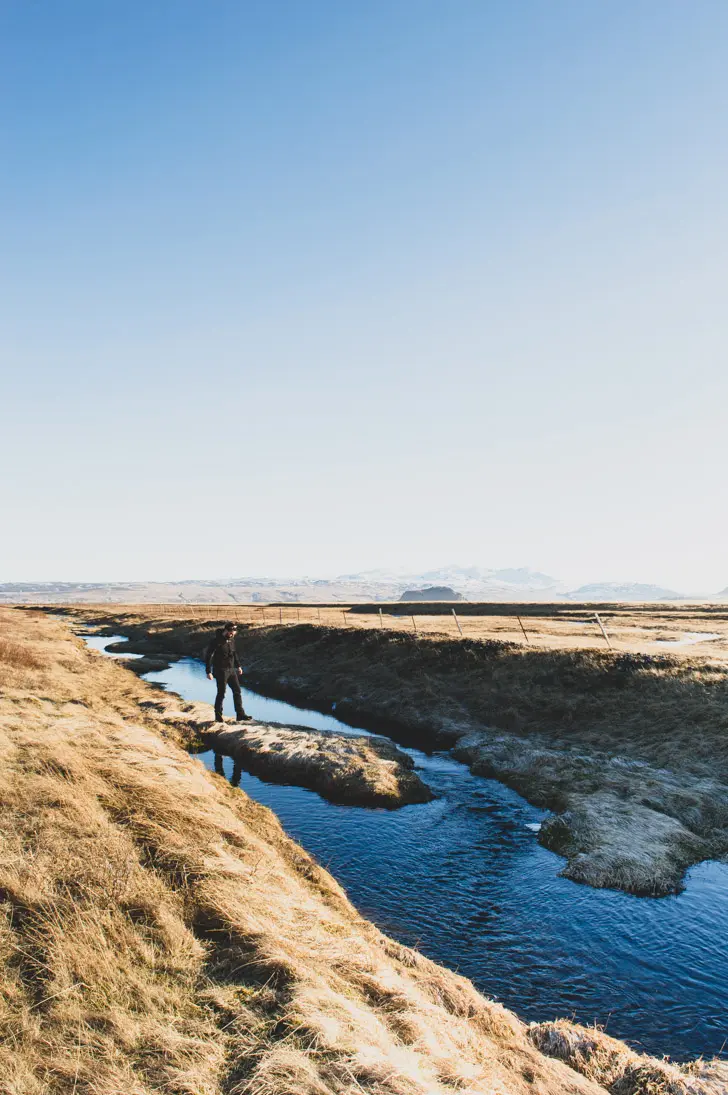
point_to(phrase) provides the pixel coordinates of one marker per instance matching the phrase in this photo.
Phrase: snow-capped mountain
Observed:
(623, 591)
(472, 582)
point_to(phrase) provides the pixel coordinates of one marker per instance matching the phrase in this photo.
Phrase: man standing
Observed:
(222, 662)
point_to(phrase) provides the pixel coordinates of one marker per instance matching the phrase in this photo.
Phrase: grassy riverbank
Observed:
(159, 933)
(630, 751)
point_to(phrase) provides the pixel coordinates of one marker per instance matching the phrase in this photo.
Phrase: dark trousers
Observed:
(224, 678)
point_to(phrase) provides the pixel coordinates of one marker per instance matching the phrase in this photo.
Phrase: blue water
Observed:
(100, 642)
(464, 879)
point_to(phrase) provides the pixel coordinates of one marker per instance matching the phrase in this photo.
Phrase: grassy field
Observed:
(631, 628)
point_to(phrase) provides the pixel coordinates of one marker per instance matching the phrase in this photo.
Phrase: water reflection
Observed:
(690, 638)
(236, 773)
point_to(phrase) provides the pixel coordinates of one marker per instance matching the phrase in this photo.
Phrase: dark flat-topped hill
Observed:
(432, 593)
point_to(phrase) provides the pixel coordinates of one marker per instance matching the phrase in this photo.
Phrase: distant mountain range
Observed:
(471, 583)
(630, 591)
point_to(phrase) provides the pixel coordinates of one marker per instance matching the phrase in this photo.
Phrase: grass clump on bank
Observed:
(15, 655)
(358, 771)
(620, 1070)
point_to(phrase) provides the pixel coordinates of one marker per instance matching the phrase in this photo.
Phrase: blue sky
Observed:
(315, 287)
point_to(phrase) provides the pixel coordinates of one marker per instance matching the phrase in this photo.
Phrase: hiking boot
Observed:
(243, 718)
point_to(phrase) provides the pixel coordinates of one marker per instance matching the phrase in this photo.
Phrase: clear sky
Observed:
(311, 287)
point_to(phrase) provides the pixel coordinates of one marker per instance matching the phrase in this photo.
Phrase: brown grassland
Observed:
(159, 933)
(631, 628)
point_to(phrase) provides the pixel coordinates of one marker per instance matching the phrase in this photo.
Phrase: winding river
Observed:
(464, 879)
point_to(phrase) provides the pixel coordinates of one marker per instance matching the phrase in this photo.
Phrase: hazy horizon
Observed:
(299, 289)
(382, 575)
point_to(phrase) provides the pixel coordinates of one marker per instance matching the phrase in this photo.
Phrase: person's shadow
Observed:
(237, 771)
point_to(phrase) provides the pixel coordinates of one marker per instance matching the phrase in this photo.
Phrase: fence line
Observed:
(603, 630)
(585, 628)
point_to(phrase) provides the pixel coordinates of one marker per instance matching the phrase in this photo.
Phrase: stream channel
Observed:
(464, 879)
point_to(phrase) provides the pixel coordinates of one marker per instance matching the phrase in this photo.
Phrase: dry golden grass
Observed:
(364, 771)
(159, 933)
(16, 656)
(632, 628)
(619, 1069)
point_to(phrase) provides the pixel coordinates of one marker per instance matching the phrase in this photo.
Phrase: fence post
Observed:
(457, 621)
(381, 618)
(343, 616)
(604, 633)
(318, 613)
(280, 614)
(525, 634)
(414, 625)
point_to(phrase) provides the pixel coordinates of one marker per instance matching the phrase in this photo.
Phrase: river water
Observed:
(464, 879)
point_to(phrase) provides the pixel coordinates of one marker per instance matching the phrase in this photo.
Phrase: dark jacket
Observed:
(222, 657)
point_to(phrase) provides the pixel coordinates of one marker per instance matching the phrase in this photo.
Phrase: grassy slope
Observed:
(160, 933)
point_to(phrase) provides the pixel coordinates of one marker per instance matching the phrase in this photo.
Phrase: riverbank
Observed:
(629, 752)
(160, 933)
